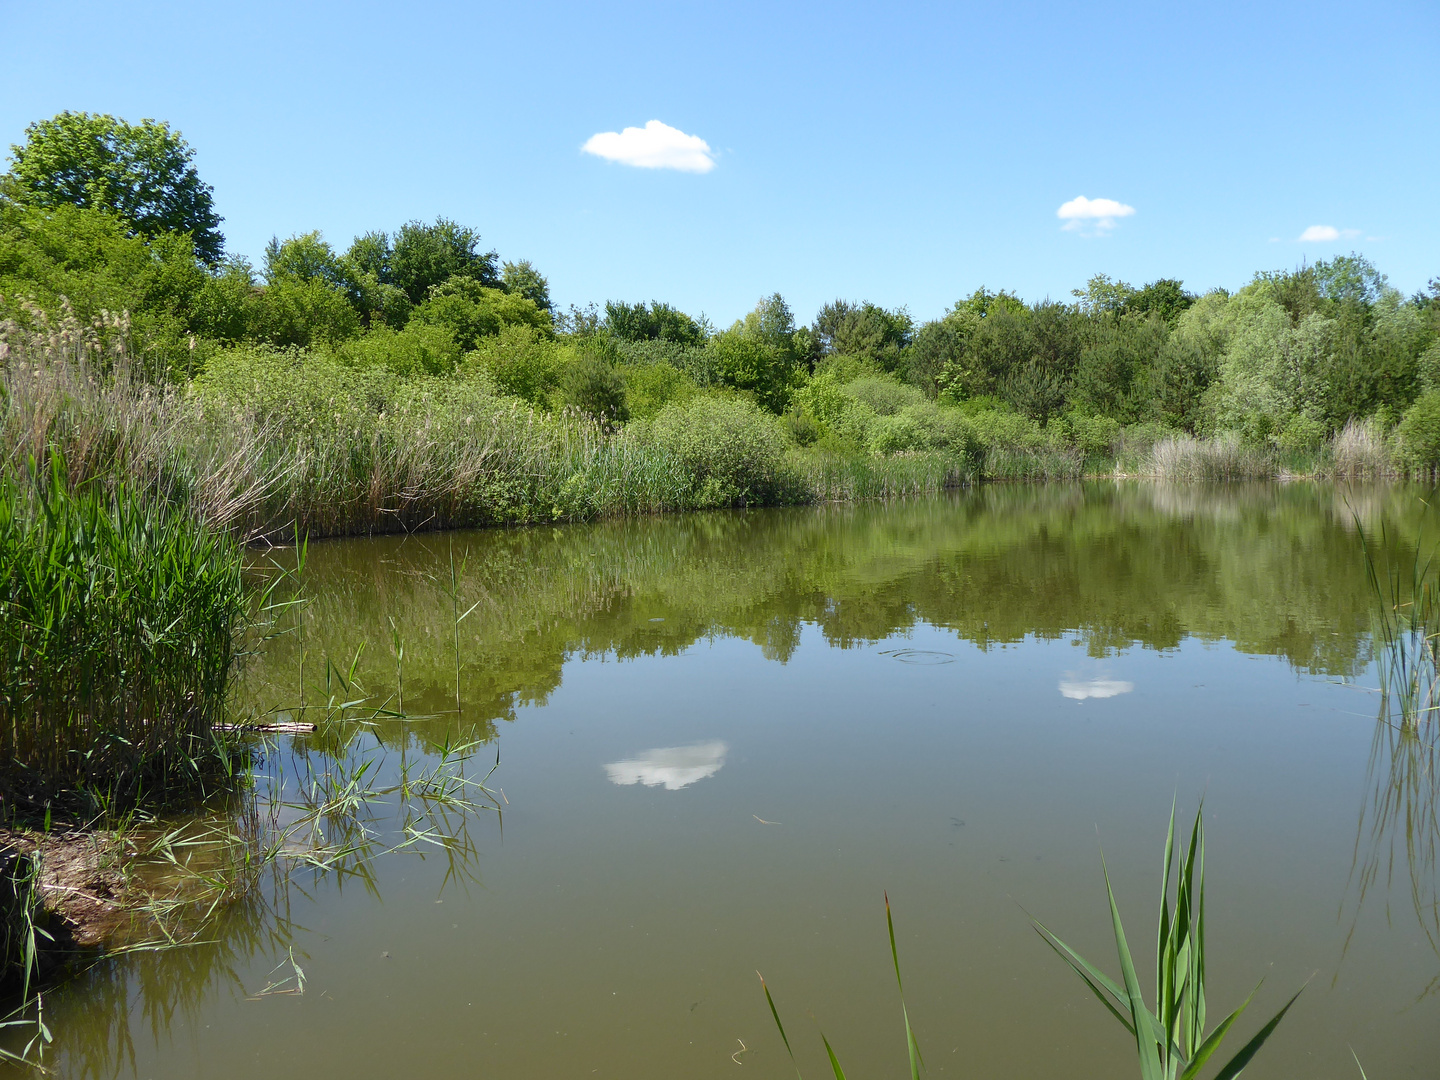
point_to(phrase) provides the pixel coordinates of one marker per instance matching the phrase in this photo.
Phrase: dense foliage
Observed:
(1283, 366)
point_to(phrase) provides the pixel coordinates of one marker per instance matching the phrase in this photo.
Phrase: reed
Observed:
(1171, 1041)
(120, 635)
(826, 477)
(1219, 458)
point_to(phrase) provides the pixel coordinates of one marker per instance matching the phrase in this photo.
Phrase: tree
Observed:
(865, 330)
(142, 172)
(523, 279)
(658, 322)
(1165, 297)
(471, 311)
(422, 256)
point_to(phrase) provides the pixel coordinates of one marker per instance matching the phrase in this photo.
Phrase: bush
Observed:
(471, 311)
(521, 361)
(922, 427)
(303, 313)
(1302, 433)
(886, 396)
(649, 387)
(592, 385)
(1418, 437)
(733, 451)
(1094, 436)
(416, 350)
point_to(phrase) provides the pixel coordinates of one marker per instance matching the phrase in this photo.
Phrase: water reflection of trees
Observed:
(1272, 568)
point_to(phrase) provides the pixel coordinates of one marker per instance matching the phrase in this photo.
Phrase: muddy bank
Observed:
(71, 885)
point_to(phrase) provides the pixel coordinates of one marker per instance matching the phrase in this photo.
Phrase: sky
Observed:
(905, 154)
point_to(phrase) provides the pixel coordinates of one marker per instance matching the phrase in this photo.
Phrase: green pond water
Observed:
(723, 737)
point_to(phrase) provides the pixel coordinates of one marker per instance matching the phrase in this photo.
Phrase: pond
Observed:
(723, 738)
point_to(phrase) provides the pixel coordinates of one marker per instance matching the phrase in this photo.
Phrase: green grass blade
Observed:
(1213, 1040)
(1237, 1064)
(776, 1014)
(1144, 1038)
(835, 1064)
(1100, 984)
(916, 1060)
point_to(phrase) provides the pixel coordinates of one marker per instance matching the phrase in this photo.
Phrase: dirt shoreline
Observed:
(82, 900)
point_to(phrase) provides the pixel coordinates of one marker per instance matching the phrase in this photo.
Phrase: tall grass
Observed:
(118, 642)
(1360, 451)
(1219, 458)
(828, 477)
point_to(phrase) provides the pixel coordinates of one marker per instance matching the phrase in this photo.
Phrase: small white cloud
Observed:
(655, 146)
(1093, 215)
(1321, 234)
(1080, 689)
(674, 767)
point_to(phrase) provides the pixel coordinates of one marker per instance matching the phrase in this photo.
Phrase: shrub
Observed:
(802, 428)
(303, 313)
(1094, 436)
(522, 362)
(592, 385)
(886, 396)
(733, 451)
(649, 387)
(1418, 436)
(416, 350)
(1301, 432)
(472, 311)
(921, 427)
(1007, 429)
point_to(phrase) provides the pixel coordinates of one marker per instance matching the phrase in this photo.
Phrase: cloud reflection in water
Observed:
(1080, 689)
(673, 766)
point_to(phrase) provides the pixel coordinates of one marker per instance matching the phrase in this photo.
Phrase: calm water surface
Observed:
(722, 737)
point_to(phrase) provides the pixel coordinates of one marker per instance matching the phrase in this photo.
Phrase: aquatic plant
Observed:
(912, 1047)
(1219, 458)
(1171, 1040)
(120, 636)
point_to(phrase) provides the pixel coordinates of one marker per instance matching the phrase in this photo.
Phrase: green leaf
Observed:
(1212, 1042)
(834, 1064)
(1237, 1064)
(776, 1014)
(1094, 978)
(916, 1061)
(1144, 1040)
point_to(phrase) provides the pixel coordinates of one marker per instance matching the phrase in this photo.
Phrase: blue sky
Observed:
(902, 153)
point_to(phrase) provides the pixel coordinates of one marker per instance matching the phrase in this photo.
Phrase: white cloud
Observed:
(655, 146)
(1322, 234)
(1096, 215)
(1079, 690)
(673, 766)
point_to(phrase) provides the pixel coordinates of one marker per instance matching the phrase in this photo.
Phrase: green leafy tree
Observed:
(523, 279)
(142, 172)
(864, 330)
(85, 260)
(1101, 296)
(658, 322)
(1165, 297)
(302, 258)
(472, 311)
(423, 256)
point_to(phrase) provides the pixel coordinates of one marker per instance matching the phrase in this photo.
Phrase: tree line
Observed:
(101, 216)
